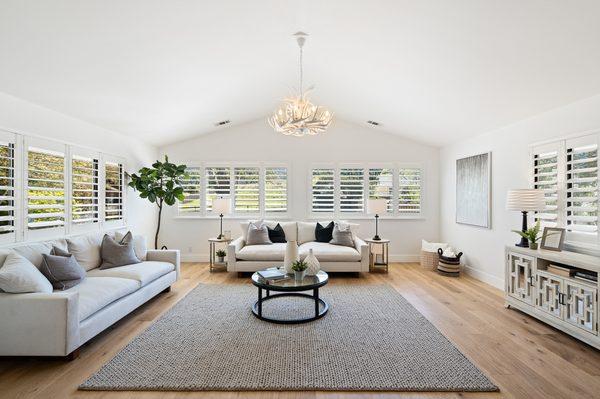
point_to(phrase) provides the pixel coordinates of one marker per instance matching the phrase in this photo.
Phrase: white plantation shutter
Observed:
(113, 192)
(192, 191)
(276, 189)
(218, 183)
(582, 186)
(545, 177)
(381, 185)
(7, 185)
(323, 190)
(45, 188)
(246, 189)
(409, 191)
(352, 188)
(84, 189)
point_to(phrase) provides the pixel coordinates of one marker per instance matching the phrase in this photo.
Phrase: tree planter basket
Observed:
(429, 260)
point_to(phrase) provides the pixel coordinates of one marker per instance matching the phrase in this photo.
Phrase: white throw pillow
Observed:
(432, 246)
(306, 232)
(86, 249)
(18, 276)
(139, 244)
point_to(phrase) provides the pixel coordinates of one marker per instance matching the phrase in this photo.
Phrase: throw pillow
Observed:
(342, 236)
(306, 232)
(258, 234)
(139, 244)
(324, 234)
(277, 234)
(18, 276)
(86, 249)
(62, 269)
(117, 253)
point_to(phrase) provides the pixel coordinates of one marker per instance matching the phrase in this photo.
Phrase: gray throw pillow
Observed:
(342, 236)
(61, 269)
(117, 253)
(258, 235)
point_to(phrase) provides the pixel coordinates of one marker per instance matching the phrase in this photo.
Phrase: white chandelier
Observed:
(297, 116)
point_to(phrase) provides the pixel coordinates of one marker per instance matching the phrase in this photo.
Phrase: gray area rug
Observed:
(372, 339)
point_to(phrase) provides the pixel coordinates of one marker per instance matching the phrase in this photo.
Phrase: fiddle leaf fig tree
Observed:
(160, 184)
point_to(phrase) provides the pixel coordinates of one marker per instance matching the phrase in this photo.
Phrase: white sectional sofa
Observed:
(333, 258)
(58, 323)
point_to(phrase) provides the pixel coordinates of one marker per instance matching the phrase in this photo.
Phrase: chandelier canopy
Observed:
(297, 116)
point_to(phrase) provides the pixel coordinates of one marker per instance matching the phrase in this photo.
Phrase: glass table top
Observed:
(290, 284)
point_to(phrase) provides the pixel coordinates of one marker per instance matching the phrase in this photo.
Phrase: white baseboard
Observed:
(485, 277)
(203, 257)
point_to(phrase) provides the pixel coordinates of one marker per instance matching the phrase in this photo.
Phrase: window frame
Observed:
(367, 166)
(16, 141)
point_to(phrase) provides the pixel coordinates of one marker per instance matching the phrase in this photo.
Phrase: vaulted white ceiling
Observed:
(435, 71)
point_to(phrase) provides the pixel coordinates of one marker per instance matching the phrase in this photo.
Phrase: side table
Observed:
(379, 255)
(212, 247)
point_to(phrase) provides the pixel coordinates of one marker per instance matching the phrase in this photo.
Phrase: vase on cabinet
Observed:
(291, 256)
(313, 263)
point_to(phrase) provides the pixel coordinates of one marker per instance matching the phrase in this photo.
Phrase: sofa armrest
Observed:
(363, 248)
(232, 249)
(166, 255)
(39, 324)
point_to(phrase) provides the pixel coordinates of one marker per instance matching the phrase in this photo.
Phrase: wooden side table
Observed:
(379, 254)
(212, 247)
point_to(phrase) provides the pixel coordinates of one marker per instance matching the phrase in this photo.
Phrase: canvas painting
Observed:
(473, 190)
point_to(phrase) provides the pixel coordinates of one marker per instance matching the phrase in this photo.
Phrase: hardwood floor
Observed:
(525, 358)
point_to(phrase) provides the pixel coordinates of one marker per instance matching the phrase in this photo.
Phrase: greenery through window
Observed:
(45, 189)
(84, 190)
(7, 187)
(113, 197)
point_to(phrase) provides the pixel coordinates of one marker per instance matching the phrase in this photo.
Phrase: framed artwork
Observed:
(553, 238)
(474, 190)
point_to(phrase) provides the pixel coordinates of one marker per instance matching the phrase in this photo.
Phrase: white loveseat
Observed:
(58, 323)
(333, 258)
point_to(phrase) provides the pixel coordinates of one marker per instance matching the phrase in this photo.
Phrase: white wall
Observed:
(343, 142)
(484, 248)
(23, 117)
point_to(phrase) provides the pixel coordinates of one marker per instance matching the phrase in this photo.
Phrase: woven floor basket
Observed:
(429, 260)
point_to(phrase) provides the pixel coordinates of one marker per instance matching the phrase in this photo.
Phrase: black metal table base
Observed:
(257, 307)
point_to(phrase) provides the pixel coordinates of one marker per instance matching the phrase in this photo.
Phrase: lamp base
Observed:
(220, 237)
(376, 238)
(524, 243)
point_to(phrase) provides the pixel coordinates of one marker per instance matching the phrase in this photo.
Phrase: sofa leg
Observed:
(73, 355)
(168, 289)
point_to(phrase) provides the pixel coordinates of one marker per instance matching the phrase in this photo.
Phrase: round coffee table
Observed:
(290, 287)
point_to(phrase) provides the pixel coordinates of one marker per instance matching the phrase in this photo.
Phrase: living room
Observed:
(277, 199)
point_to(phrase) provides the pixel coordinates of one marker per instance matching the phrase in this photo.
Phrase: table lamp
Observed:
(525, 200)
(377, 206)
(222, 206)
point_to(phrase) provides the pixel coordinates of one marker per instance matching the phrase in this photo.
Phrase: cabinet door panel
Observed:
(520, 277)
(548, 291)
(581, 308)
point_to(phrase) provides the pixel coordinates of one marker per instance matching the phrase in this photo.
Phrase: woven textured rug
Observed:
(372, 339)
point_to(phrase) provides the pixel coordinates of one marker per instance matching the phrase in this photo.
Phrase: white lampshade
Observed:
(525, 200)
(221, 205)
(377, 206)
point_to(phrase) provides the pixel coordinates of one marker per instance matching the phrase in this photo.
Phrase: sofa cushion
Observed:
(276, 234)
(18, 275)
(290, 228)
(33, 252)
(258, 235)
(96, 293)
(139, 244)
(86, 249)
(326, 252)
(117, 253)
(342, 235)
(62, 269)
(324, 233)
(144, 272)
(306, 232)
(272, 252)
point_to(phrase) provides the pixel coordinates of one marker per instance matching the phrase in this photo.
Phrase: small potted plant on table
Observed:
(220, 256)
(531, 235)
(299, 267)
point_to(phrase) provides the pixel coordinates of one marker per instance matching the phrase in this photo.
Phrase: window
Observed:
(409, 191)
(7, 187)
(218, 184)
(84, 190)
(342, 191)
(246, 190)
(323, 190)
(381, 186)
(352, 190)
(192, 191)
(276, 190)
(113, 192)
(45, 188)
(567, 171)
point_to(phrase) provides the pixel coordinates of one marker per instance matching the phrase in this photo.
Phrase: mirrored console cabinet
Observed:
(558, 288)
